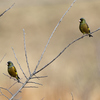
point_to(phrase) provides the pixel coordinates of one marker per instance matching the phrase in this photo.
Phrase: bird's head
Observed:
(82, 20)
(9, 63)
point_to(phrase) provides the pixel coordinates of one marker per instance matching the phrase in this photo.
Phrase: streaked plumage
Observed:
(84, 28)
(12, 70)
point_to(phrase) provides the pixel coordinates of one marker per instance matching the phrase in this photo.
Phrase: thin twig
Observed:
(18, 63)
(35, 83)
(52, 35)
(20, 88)
(64, 50)
(43, 98)
(72, 96)
(12, 85)
(6, 90)
(95, 31)
(3, 94)
(6, 10)
(18, 99)
(26, 52)
(13, 78)
(9, 76)
(39, 77)
(2, 58)
(30, 87)
(21, 82)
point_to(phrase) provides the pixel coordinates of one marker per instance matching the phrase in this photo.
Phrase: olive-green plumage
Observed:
(12, 70)
(84, 28)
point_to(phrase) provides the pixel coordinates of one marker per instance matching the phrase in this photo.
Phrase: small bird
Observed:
(12, 70)
(84, 28)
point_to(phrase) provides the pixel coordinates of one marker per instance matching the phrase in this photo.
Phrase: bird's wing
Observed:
(85, 28)
(88, 28)
(14, 69)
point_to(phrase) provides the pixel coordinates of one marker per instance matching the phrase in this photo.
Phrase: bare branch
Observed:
(6, 10)
(20, 88)
(21, 82)
(18, 99)
(6, 90)
(72, 96)
(3, 94)
(2, 58)
(95, 31)
(9, 76)
(52, 35)
(13, 78)
(64, 50)
(26, 52)
(35, 83)
(18, 63)
(12, 85)
(43, 98)
(30, 87)
(39, 77)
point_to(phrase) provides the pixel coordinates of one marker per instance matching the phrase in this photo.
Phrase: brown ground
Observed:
(77, 70)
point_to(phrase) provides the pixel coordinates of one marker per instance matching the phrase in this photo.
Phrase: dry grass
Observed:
(77, 70)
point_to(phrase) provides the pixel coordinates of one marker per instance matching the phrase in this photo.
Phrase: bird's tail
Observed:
(17, 77)
(90, 35)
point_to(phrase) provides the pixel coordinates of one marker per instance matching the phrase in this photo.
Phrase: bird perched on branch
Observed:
(12, 70)
(84, 28)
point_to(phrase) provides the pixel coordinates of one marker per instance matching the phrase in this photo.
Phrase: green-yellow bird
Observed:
(84, 28)
(12, 70)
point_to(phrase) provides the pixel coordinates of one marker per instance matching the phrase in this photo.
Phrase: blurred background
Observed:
(77, 70)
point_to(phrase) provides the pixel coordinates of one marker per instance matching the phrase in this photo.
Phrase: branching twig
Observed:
(64, 50)
(6, 90)
(52, 35)
(23, 86)
(19, 64)
(35, 72)
(26, 52)
(6, 10)
(3, 94)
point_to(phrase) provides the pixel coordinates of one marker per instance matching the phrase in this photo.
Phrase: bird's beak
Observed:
(79, 20)
(7, 64)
